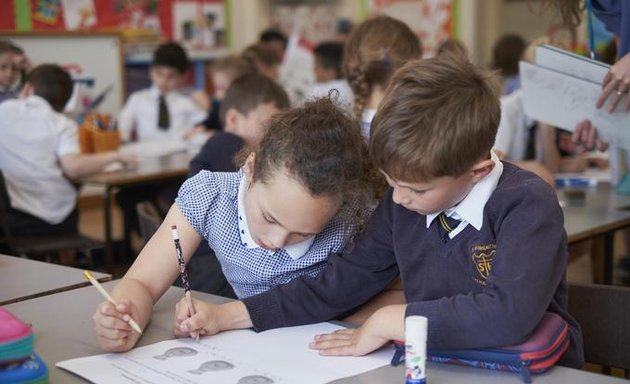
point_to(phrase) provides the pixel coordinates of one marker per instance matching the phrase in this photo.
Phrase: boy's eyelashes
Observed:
(417, 192)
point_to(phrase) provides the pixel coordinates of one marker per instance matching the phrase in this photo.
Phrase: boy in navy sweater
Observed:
(479, 244)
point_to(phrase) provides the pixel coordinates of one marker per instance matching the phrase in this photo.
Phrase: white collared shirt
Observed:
(295, 251)
(141, 112)
(34, 139)
(470, 210)
(366, 122)
(513, 131)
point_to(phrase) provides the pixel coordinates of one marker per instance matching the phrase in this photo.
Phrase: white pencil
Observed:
(106, 295)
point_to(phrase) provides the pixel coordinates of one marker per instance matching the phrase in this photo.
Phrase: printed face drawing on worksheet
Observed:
(176, 352)
(255, 379)
(212, 366)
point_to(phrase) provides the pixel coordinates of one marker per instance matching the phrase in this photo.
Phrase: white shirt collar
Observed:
(470, 210)
(154, 92)
(295, 251)
(37, 102)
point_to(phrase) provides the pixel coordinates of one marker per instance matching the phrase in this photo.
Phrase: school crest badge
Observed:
(482, 256)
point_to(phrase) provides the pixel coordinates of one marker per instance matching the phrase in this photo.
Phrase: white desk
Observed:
(22, 279)
(64, 330)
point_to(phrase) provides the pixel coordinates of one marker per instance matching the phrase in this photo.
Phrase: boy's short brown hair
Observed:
(233, 67)
(248, 92)
(257, 54)
(438, 118)
(52, 83)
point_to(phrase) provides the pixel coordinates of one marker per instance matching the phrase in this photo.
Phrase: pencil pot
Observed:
(85, 140)
(104, 141)
(98, 134)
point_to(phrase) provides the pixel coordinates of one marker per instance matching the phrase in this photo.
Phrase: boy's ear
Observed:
(231, 117)
(27, 90)
(248, 168)
(481, 169)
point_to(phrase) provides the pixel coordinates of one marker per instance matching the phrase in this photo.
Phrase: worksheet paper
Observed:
(564, 101)
(559, 60)
(238, 357)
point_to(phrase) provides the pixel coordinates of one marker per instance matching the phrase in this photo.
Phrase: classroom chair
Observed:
(602, 311)
(39, 246)
(149, 219)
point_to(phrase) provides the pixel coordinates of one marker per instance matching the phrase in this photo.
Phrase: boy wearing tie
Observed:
(160, 112)
(39, 151)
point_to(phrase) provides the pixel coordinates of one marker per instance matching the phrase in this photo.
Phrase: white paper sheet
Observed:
(564, 101)
(239, 357)
(571, 64)
(152, 149)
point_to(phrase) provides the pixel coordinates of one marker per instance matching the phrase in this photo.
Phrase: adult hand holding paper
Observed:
(562, 89)
(616, 85)
(586, 136)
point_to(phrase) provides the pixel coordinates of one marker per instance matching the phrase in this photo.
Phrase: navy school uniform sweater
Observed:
(217, 154)
(486, 288)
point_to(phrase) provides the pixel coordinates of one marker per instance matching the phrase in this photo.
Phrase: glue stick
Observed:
(415, 349)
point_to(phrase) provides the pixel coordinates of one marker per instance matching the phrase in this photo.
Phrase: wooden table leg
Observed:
(109, 245)
(602, 258)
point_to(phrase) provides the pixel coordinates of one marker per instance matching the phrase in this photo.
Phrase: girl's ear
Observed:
(248, 168)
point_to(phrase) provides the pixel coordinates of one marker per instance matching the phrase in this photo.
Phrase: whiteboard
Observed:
(98, 54)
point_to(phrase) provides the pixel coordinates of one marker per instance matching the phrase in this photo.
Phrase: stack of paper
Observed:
(562, 88)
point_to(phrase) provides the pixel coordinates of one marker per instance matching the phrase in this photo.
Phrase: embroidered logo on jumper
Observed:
(482, 258)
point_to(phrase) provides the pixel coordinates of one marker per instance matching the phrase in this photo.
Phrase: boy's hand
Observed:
(386, 324)
(113, 333)
(129, 160)
(348, 342)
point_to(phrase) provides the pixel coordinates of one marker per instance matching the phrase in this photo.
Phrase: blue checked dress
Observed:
(211, 203)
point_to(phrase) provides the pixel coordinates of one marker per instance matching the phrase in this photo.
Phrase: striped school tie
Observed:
(447, 225)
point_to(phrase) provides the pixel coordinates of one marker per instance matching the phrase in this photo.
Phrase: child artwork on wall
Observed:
(431, 20)
(47, 11)
(199, 26)
(314, 23)
(78, 14)
(137, 14)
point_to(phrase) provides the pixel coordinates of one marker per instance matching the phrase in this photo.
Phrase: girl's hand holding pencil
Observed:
(183, 273)
(113, 332)
(115, 328)
(187, 325)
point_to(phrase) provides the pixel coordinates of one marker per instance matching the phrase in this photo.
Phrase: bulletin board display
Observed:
(94, 57)
(198, 24)
(432, 20)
